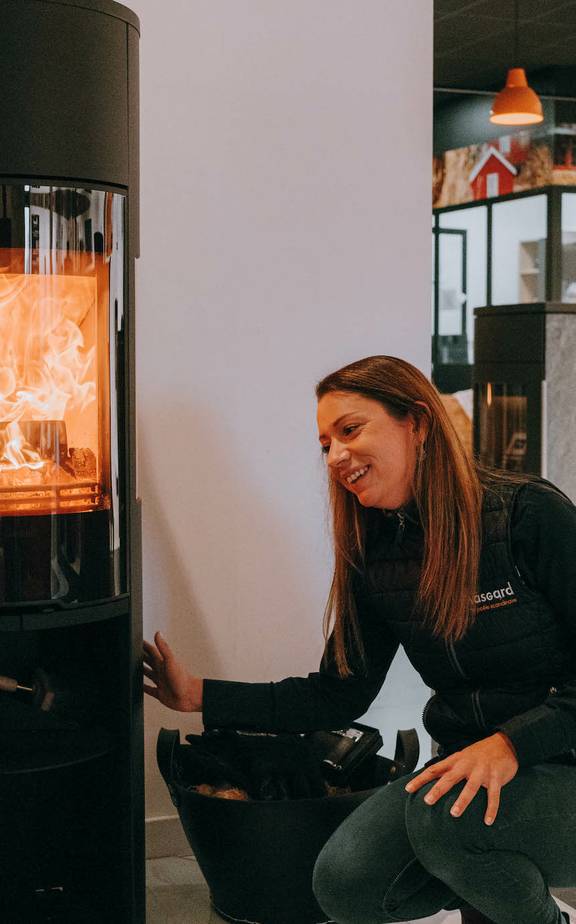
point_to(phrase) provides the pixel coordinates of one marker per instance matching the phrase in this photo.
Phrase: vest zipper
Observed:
(453, 659)
(425, 710)
(401, 526)
(475, 695)
(479, 715)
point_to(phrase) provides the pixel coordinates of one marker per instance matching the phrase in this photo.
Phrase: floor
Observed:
(177, 894)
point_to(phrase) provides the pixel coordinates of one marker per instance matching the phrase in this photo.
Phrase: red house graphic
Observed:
(515, 147)
(493, 175)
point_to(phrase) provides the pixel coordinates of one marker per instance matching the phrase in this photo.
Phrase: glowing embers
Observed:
(48, 394)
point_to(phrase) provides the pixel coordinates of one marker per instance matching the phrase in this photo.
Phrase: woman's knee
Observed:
(322, 874)
(368, 844)
(334, 877)
(348, 882)
(350, 893)
(438, 837)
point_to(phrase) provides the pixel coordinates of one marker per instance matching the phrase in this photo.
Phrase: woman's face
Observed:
(359, 435)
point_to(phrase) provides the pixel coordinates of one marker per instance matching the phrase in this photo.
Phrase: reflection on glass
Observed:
(452, 340)
(432, 294)
(471, 222)
(568, 247)
(519, 251)
(503, 418)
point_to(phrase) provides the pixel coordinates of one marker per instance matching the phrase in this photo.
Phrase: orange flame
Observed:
(46, 372)
(16, 451)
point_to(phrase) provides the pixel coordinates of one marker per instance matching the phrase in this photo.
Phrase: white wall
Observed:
(285, 231)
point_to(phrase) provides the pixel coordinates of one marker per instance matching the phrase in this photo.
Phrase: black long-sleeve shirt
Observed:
(543, 543)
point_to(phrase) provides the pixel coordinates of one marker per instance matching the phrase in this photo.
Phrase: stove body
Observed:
(71, 738)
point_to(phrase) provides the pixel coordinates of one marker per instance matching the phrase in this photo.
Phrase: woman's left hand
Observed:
(490, 762)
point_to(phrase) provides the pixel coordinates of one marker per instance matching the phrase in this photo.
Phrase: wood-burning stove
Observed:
(71, 766)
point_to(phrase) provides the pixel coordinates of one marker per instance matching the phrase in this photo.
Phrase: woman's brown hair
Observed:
(447, 490)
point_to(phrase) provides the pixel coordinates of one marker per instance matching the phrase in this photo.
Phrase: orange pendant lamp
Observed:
(517, 103)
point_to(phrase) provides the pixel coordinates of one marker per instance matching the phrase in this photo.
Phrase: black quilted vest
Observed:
(511, 658)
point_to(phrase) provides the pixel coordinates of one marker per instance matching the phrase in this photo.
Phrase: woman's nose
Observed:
(337, 454)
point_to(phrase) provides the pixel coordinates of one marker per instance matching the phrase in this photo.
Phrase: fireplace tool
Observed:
(44, 692)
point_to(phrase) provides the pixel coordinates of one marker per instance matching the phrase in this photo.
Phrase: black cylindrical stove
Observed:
(71, 741)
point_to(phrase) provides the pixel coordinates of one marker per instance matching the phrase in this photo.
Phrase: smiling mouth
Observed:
(356, 478)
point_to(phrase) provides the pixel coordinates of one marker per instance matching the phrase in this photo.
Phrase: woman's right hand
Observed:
(173, 686)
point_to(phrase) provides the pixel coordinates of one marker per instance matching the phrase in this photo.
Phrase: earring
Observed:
(421, 451)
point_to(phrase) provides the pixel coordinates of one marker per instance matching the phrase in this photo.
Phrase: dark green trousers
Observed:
(395, 858)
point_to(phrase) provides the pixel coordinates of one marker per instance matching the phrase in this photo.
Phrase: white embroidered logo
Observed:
(491, 599)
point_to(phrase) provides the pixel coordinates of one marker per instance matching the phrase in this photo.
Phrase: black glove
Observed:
(208, 760)
(268, 767)
(281, 767)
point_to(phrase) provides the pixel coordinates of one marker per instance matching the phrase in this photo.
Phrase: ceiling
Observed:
(474, 40)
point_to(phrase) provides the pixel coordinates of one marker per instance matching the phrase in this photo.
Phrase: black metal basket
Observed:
(258, 856)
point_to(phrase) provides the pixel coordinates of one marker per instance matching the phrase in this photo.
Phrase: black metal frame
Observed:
(453, 377)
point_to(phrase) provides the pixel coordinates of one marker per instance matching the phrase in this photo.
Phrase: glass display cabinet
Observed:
(513, 249)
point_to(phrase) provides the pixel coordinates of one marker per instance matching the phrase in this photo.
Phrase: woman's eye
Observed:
(346, 430)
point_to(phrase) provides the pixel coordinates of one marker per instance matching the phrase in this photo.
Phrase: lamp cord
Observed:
(516, 62)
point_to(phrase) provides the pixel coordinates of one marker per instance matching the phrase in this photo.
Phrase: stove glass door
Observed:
(503, 426)
(61, 385)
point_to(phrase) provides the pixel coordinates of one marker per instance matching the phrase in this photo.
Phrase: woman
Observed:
(473, 573)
